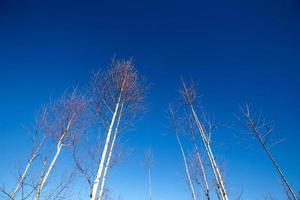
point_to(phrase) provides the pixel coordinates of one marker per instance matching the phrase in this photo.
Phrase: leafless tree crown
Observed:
(262, 130)
(120, 83)
(66, 118)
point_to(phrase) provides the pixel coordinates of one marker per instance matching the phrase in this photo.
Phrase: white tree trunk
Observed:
(186, 167)
(203, 172)
(104, 152)
(110, 155)
(23, 176)
(150, 183)
(42, 184)
(216, 171)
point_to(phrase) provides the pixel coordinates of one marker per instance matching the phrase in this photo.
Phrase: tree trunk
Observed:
(103, 157)
(202, 171)
(110, 155)
(150, 184)
(252, 126)
(186, 167)
(216, 171)
(40, 187)
(23, 176)
(281, 173)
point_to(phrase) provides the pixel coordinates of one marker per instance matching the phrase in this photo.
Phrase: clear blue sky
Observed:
(237, 51)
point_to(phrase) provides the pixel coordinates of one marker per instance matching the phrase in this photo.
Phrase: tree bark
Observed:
(110, 155)
(23, 176)
(186, 167)
(42, 184)
(256, 132)
(216, 171)
(103, 157)
(202, 172)
(150, 184)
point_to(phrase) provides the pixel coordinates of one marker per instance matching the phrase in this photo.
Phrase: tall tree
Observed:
(120, 91)
(148, 162)
(262, 131)
(64, 124)
(175, 123)
(197, 155)
(38, 141)
(112, 145)
(189, 95)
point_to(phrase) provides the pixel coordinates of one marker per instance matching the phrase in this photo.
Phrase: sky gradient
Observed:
(237, 51)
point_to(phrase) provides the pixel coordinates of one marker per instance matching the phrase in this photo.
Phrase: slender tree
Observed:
(175, 125)
(262, 130)
(64, 124)
(120, 91)
(38, 141)
(22, 178)
(148, 162)
(107, 165)
(198, 157)
(189, 94)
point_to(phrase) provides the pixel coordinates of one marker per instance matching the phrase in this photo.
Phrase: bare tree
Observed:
(38, 140)
(64, 124)
(189, 94)
(198, 158)
(22, 177)
(148, 162)
(262, 130)
(175, 125)
(87, 155)
(120, 91)
(112, 145)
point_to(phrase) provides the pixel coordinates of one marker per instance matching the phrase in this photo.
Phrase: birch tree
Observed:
(198, 158)
(148, 162)
(112, 145)
(262, 131)
(64, 124)
(175, 125)
(38, 141)
(120, 91)
(189, 95)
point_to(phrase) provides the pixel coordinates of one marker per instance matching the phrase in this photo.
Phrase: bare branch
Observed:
(189, 95)
(261, 130)
(121, 91)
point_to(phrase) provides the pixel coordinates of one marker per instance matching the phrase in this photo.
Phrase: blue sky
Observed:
(237, 51)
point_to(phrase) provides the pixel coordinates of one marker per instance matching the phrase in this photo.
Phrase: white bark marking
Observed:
(40, 187)
(216, 171)
(103, 157)
(110, 155)
(20, 182)
(186, 167)
(202, 172)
